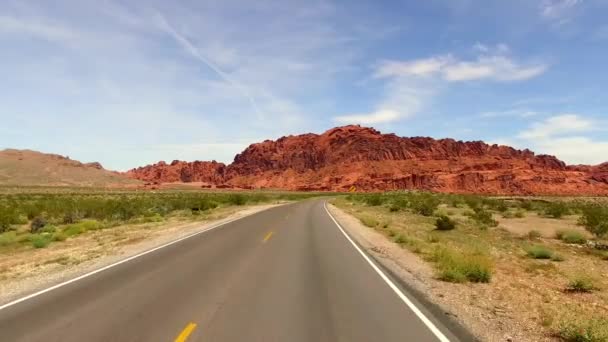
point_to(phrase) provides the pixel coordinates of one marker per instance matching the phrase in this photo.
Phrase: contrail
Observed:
(193, 50)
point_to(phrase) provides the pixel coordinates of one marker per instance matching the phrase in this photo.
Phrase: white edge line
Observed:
(392, 285)
(36, 294)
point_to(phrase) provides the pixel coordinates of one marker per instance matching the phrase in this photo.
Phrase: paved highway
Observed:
(289, 274)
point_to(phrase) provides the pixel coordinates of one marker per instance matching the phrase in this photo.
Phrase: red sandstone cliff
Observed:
(363, 157)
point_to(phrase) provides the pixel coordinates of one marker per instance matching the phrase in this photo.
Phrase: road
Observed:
(285, 274)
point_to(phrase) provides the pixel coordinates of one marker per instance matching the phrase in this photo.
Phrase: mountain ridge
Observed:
(364, 158)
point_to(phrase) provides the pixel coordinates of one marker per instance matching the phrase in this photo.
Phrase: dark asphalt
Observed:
(304, 282)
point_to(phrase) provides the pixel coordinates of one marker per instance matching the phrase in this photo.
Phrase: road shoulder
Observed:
(417, 276)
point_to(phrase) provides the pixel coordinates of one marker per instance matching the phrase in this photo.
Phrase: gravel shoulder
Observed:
(27, 271)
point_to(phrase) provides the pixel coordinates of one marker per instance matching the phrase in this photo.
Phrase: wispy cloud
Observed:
(557, 125)
(195, 52)
(557, 9)
(496, 67)
(412, 84)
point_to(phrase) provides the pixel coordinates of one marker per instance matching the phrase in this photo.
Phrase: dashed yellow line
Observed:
(267, 237)
(183, 336)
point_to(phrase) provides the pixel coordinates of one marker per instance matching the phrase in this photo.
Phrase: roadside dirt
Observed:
(29, 270)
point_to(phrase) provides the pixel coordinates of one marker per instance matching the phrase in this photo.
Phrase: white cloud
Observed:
(380, 116)
(412, 84)
(555, 9)
(575, 150)
(557, 125)
(561, 136)
(496, 67)
(420, 67)
(521, 113)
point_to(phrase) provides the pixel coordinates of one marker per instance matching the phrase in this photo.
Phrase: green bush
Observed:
(425, 204)
(571, 236)
(581, 283)
(374, 200)
(595, 219)
(556, 209)
(584, 330)
(484, 217)
(539, 252)
(41, 240)
(456, 267)
(445, 223)
(236, 199)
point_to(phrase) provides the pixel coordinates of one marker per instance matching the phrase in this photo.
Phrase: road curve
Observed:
(285, 274)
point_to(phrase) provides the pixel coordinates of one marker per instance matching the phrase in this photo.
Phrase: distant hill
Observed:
(26, 167)
(362, 158)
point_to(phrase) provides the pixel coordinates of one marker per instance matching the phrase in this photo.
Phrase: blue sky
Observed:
(128, 83)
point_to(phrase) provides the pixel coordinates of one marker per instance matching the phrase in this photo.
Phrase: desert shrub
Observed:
(595, 219)
(37, 224)
(445, 223)
(71, 217)
(425, 204)
(539, 252)
(369, 221)
(519, 214)
(571, 236)
(237, 199)
(556, 209)
(453, 266)
(580, 283)
(526, 205)
(41, 240)
(484, 217)
(557, 257)
(584, 330)
(398, 203)
(533, 235)
(374, 200)
(81, 227)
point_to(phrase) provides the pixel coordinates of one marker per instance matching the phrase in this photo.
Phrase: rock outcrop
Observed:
(362, 157)
(181, 171)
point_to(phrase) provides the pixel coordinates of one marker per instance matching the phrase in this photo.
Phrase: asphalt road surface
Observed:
(285, 274)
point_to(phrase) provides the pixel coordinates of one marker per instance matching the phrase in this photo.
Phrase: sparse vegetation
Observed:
(519, 253)
(584, 330)
(595, 219)
(24, 217)
(539, 252)
(581, 283)
(556, 209)
(369, 221)
(454, 266)
(571, 236)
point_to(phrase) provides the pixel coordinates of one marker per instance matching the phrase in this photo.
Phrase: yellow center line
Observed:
(183, 336)
(267, 237)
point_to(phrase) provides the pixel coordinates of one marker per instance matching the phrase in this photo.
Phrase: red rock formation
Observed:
(180, 171)
(363, 157)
